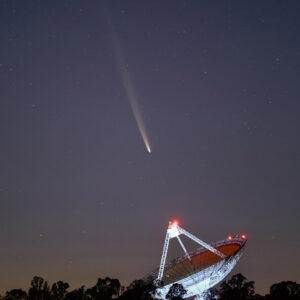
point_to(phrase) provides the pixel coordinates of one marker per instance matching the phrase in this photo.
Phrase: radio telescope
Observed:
(199, 270)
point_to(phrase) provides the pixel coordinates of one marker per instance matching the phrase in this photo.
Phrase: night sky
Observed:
(216, 86)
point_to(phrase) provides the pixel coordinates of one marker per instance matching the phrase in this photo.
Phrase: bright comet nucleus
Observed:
(148, 148)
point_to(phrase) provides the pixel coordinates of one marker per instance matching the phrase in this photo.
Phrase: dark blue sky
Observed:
(217, 83)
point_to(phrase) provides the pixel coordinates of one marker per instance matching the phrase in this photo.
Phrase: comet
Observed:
(129, 87)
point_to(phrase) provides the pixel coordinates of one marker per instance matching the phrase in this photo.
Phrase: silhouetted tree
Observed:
(59, 290)
(15, 294)
(39, 289)
(105, 289)
(237, 288)
(176, 292)
(140, 290)
(287, 290)
(78, 294)
(211, 294)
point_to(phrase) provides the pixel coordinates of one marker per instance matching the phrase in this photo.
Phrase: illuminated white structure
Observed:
(200, 270)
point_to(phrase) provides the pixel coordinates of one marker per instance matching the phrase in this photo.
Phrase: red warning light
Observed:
(230, 238)
(243, 236)
(175, 223)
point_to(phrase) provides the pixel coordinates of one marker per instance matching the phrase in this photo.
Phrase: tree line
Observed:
(236, 288)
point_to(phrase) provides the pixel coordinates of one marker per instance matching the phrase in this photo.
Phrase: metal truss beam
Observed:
(183, 247)
(163, 257)
(200, 242)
